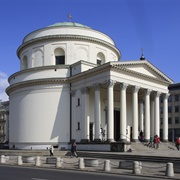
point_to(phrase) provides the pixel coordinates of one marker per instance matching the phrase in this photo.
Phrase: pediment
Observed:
(143, 68)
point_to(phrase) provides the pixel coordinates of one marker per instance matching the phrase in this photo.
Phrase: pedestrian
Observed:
(177, 142)
(141, 136)
(74, 149)
(51, 151)
(156, 141)
(151, 142)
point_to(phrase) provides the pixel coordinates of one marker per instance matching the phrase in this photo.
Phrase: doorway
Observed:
(116, 125)
(91, 130)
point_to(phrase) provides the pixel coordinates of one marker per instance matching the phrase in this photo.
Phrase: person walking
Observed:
(156, 142)
(74, 149)
(177, 142)
(51, 151)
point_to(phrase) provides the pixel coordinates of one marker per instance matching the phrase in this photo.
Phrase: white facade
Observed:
(71, 84)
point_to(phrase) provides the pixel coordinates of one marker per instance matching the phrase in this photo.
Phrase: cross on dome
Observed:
(69, 17)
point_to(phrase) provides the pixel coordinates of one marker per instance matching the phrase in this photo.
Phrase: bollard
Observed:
(169, 170)
(58, 162)
(19, 160)
(3, 160)
(136, 168)
(38, 161)
(81, 163)
(107, 166)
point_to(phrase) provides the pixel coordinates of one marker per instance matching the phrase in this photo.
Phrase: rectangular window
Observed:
(78, 128)
(60, 60)
(169, 120)
(169, 109)
(78, 102)
(176, 97)
(170, 98)
(98, 62)
(176, 109)
(176, 120)
(161, 120)
(161, 110)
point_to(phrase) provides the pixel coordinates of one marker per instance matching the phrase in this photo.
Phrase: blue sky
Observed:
(153, 25)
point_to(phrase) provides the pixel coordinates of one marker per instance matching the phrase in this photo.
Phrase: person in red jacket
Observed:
(156, 141)
(177, 142)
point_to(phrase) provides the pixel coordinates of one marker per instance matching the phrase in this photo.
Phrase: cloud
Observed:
(3, 85)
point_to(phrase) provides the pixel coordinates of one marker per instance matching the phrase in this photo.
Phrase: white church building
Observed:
(73, 86)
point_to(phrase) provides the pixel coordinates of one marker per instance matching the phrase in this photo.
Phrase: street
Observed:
(26, 173)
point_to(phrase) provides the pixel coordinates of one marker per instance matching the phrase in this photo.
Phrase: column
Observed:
(157, 114)
(165, 117)
(147, 115)
(97, 112)
(73, 119)
(110, 116)
(141, 115)
(152, 117)
(135, 90)
(123, 113)
(85, 114)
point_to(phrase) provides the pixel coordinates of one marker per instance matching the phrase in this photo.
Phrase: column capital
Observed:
(85, 90)
(135, 89)
(110, 82)
(166, 95)
(157, 94)
(123, 86)
(73, 93)
(96, 86)
(147, 91)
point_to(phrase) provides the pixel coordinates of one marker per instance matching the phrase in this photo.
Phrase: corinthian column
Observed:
(110, 118)
(97, 114)
(147, 115)
(135, 90)
(165, 117)
(157, 113)
(123, 113)
(85, 114)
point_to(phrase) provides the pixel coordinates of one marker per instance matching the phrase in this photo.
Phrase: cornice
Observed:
(67, 38)
(35, 83)
(41, 68)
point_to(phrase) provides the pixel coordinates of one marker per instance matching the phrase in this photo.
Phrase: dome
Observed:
(69, 24)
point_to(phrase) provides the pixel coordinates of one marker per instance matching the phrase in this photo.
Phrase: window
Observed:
(169, 120)
(78, 102)
(98, 62)
(60, 60)
(169, 109)
(176, 97)
(59, 56)
(78, 128)
(176, 109)
(161, 120)
(161, 110)
(176, 120)
(170, 98)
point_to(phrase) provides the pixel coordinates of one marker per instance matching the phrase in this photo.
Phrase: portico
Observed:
(138, 105)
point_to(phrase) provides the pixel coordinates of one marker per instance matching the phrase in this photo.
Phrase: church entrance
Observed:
(116, 125)
(91, 132)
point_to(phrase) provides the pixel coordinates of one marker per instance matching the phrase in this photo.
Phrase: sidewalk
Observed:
(156, 170)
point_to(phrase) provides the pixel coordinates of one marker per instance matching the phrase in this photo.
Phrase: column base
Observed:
(97, 140)
(110, 140)
(122, 140)
(85, 140)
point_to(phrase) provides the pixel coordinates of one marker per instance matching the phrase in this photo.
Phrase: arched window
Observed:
(100, 58)
(59, 56)
(24, 62)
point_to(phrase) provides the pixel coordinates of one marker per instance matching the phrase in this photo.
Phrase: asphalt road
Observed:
(24, 173)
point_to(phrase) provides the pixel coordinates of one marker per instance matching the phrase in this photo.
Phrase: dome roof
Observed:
(69, 24)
